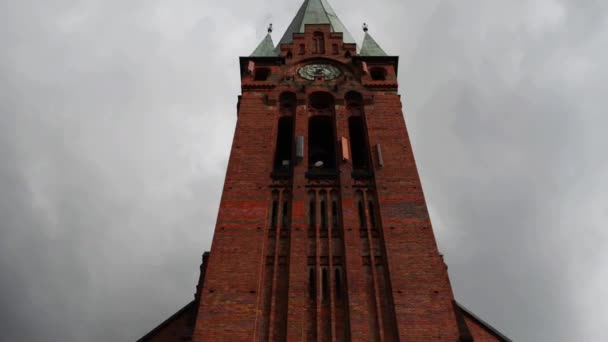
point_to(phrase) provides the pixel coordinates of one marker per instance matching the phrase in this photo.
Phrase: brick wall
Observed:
(396, 284)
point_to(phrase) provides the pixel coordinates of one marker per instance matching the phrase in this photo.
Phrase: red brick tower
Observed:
(323, 233)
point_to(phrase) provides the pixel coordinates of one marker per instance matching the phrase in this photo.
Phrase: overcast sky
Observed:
(116, 119)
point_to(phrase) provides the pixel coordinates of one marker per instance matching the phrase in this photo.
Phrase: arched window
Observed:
(287, 101)
(261, 74)
(378, 74)
(353, 99)
(318, 43)
(321, 101)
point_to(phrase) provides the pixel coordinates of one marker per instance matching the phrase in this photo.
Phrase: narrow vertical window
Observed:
(273, 220)
(334, 210)
(311, 283)
(274, 210)
(325, 286)
(312, 215)
(334, 214)
(356, 130)
(323, 213)
(361, 210)
(302, 49)
(318, 42)
(362, 224)
(285, 215)
(335, 49)
(372, 214)
(338, 280)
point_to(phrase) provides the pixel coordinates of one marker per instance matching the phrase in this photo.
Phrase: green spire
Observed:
(315, 12)
(369, 46)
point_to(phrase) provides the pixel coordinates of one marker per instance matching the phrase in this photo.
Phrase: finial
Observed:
(365, 28)
(269, 28)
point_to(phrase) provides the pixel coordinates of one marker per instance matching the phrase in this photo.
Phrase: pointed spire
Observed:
(266, 47)
(369, 46)
(315, 12)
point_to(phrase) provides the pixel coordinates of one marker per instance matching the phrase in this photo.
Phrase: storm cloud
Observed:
(116, 120)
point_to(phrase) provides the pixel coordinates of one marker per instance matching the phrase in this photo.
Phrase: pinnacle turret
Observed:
(370, 47)
(266, 46)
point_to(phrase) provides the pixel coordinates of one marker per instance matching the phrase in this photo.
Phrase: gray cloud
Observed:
(116, 121)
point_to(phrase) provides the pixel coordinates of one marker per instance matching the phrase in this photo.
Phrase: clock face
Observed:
(312, 71)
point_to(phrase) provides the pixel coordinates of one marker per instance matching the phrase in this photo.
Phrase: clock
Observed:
(312, 71)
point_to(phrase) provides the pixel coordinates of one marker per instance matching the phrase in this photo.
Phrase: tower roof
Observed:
(265, 48)
(370, 47)
(315, 12)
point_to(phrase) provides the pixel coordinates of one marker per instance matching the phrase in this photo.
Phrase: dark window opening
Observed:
(289, 55)
(321, 100)
(372, 215)
(318, 43)
(285, 215)
(283, 158)
(347, 54)
(312, 288)
(273, 214)
(358, 145)
(335, 49)
(287, 100)
(338, 280)
(312, 215)
(378, 74)
(334, 214)
(325, 286)
(361, 209)
(274, 210)
(321, 145)
(353, 99)
(302, 49)
(261, 74)
(323, 215)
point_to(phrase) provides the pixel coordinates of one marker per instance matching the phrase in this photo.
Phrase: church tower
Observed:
(323, 233)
